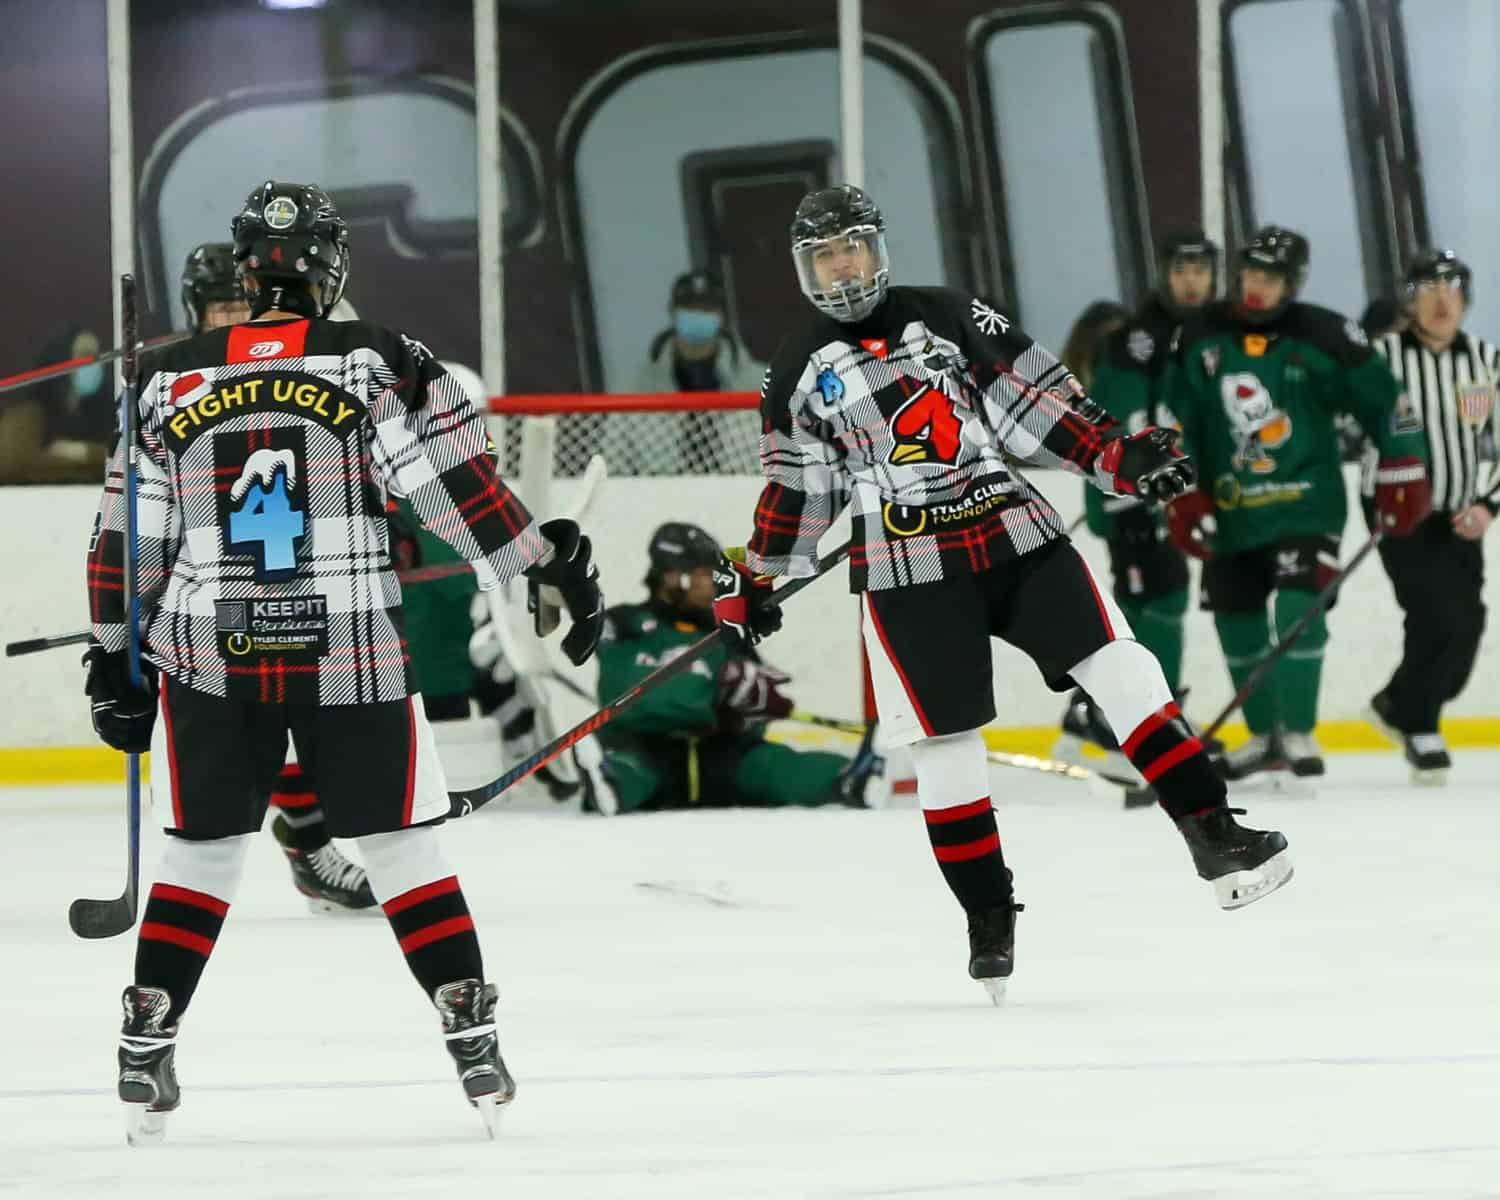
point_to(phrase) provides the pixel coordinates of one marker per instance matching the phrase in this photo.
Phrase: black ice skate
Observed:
(1084, 725)
(329, 880)
(148, 1079)
(468, 1011)
(1242, 864)
(992, 947)
(1427, 753)
(599, 795)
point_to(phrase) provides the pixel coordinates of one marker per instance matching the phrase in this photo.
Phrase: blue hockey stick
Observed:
(109, 918)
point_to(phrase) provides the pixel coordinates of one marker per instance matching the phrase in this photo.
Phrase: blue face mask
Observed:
(86, 380)
(695, 325)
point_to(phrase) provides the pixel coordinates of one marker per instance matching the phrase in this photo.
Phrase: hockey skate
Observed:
(329, 880)
(1242, 864)
(467, 1007)
(1426, 753)
(992, 948)
(599, 795)
(148, 1078)
(1302, 753)
(1083, 725)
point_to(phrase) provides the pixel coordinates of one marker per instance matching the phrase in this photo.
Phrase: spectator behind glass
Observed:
(698, 352)
(1087, 337)
(59, 430)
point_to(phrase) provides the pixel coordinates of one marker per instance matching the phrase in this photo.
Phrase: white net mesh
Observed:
(669, 441)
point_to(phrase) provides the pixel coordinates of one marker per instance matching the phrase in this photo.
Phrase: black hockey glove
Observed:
(1147, 464)
(123, 715)
(743, 607)
(569, 579)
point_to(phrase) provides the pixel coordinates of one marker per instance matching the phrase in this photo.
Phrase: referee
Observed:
(1438, 572)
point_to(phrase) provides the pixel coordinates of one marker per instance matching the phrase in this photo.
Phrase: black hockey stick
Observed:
(26, 378)
(464, 802)
(35, 645)
(109, 918)
(1285, 643)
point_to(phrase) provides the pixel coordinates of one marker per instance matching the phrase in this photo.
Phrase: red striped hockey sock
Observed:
(436, 933)
(966, 842)
(178, 930)
(1170, 758)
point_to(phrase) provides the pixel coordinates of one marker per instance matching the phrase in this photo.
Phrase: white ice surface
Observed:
(775, 1004)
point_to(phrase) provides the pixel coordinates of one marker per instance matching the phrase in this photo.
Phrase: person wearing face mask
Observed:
(697, 352)
(1438, 573)
(59, 430)
(1257, 381)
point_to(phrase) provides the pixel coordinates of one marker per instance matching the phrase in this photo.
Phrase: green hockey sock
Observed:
(1300, 670)
(1158, 627)
(1246, 639)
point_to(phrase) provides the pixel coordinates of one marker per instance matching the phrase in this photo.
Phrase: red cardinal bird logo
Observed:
(926, 429)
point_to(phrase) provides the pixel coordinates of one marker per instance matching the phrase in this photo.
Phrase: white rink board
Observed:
(783, 1011)
(46, 533)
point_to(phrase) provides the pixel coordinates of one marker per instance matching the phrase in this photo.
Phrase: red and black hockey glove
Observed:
(569, 579)
(123, 715)
(1147, 464)
(1403, 495)
(1190, 523)
(742, 601)
(751, 691)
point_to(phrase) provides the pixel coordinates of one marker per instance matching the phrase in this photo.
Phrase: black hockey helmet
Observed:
(209, 275)
(1281, 251)
(678, 546)
(288, 237)
(827, 221)
(1439, 265)
(1186, 245)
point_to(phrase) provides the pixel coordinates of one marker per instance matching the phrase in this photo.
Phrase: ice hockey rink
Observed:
(759, 1004)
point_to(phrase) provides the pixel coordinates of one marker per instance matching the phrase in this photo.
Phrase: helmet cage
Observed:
(846, 300)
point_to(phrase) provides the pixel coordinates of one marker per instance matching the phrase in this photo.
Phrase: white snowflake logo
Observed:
(987, 319)
(416, 349)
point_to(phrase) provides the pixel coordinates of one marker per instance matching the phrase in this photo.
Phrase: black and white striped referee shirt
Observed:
(1454, 393)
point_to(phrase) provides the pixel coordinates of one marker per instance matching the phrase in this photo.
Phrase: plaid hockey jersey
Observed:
(266, 454)
(909, 417)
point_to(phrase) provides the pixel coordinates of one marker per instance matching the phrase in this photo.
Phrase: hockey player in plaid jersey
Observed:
(902, 404)
(271, 608)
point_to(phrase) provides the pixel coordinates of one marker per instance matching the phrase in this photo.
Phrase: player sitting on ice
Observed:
(273, 611)
(903, 402)
(699, 740)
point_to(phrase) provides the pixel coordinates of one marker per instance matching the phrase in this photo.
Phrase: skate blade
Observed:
(1240, 888)
(489, 1113)
(324, 907)
(1437, 777)
(996, 990)
(143, 1127)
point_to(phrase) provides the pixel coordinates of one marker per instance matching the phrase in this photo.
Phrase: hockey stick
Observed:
(464, 802)
(108, 918)
(34, 645)
(1285, 643)
(25, 378)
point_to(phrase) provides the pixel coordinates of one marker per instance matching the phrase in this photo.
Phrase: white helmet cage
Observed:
(852, 298)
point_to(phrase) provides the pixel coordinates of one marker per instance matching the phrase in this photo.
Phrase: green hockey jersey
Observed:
(1257, 405)
(639, 638)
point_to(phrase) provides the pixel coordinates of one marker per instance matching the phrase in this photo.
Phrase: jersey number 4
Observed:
(264, 521)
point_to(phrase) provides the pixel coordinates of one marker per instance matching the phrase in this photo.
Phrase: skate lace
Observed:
(335, 870)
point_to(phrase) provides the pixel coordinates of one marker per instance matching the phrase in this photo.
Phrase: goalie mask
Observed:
(288, 240)
(838, 246)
